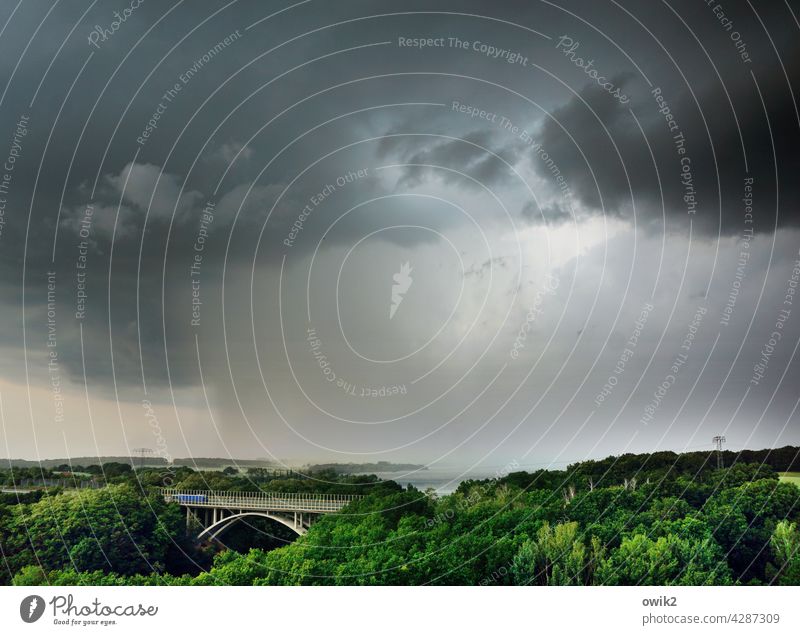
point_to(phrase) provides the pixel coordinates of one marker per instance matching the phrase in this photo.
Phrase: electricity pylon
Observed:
(718, 441)
(142, 452)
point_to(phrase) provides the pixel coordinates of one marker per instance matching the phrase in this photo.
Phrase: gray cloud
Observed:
(344, 104)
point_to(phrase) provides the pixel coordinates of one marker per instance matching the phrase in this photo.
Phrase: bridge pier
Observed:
(191, 518)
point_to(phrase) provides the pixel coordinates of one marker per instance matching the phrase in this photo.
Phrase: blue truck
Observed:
(189, 498)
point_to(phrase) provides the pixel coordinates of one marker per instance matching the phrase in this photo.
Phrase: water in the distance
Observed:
(443, 480)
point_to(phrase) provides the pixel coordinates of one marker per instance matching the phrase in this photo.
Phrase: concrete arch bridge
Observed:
(215, 512)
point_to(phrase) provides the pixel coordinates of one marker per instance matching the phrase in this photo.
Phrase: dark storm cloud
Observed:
(729, 135)
(593, 119)
(622, 159)
(476, 154)
(147, 207)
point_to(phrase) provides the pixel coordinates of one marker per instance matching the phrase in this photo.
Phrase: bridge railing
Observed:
(275, 501)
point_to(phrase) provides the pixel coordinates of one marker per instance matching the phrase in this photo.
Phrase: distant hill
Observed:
(214, 463)
(149, 461)
(364, 468)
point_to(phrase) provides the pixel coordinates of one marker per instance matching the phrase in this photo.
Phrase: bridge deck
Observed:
(261, 501)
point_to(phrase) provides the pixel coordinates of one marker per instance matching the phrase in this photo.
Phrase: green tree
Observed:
(743, 519)
(556, 557)
(35, 576)
(114, 529)
(785, 543)
(668, 560)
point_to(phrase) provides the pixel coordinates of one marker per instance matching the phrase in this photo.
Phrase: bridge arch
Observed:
(215, 529)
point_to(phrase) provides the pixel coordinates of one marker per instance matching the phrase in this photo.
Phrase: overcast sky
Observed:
(451, 232)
